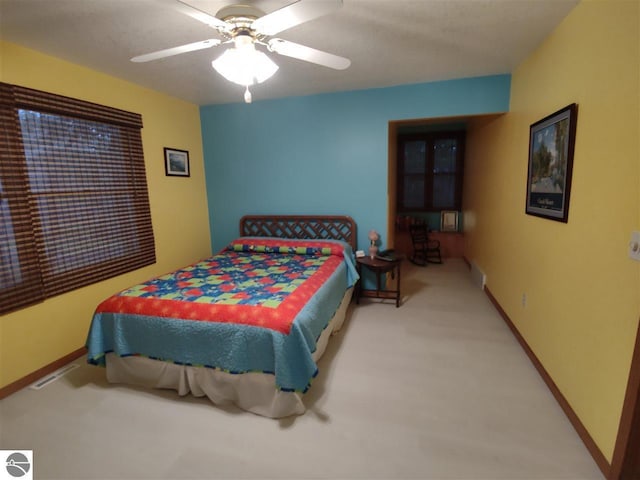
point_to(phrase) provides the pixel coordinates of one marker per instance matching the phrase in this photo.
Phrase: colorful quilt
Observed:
(259, 305)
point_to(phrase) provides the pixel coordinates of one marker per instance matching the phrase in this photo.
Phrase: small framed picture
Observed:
(176, 162)
(449, 221)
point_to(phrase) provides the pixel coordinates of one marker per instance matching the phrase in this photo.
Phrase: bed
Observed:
(245, 326)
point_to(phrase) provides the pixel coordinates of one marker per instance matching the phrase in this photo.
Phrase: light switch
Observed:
(634, 246)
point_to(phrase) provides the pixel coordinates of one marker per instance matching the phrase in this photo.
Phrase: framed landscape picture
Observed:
(176, 162)
(551, 145)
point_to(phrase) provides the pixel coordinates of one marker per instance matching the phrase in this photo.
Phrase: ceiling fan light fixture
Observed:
(244, 65)
(245, 26)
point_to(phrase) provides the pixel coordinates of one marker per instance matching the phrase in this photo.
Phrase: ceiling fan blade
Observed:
(294, 14)
(295, 50)
(201, 16)
(169, 52)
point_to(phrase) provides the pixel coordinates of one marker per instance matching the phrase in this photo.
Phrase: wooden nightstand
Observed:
(379, 267)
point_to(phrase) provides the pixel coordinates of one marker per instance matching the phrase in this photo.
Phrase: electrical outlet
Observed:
(634, 246)
(524, 300)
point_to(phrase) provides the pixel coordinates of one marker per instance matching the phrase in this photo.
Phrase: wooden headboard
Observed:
(334, 227)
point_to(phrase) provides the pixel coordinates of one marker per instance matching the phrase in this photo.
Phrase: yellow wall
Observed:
(583, 292)
(36, 336)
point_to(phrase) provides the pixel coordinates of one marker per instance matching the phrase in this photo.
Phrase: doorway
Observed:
(397, 220)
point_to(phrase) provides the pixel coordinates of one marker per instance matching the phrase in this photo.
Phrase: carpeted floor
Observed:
(436, 389)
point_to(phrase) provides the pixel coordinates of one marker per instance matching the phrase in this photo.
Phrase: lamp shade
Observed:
(244, 65)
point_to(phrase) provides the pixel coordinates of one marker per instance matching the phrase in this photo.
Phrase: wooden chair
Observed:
(425, 250)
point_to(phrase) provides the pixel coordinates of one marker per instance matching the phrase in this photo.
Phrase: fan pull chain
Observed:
(247, 95)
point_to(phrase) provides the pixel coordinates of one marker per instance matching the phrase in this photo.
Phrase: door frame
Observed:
(625, 454)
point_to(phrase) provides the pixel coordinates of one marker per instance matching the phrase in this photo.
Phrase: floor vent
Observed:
(61, 372)
(479, 277)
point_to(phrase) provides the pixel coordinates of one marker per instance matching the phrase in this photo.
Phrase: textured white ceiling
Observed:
(389, 42)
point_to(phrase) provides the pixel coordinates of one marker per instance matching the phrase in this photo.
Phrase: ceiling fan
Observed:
(245, 27)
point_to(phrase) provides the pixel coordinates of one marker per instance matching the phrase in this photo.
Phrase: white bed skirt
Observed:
(254, 392)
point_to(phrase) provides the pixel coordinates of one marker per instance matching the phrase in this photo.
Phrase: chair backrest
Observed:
(418, 233)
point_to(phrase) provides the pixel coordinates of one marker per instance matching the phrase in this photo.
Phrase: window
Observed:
(430, 171)
(74, 206)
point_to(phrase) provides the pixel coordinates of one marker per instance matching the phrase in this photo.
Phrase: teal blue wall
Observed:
(322, 154)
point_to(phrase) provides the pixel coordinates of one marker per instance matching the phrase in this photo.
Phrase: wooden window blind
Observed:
(74, 206)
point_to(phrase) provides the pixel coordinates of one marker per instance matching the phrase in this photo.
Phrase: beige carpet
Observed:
(435, 389)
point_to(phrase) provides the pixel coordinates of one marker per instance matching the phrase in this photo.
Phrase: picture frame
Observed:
(551, 149)
(448, 221)
(176, 162)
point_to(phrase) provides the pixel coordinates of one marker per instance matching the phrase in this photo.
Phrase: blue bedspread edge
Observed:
(232, 348)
